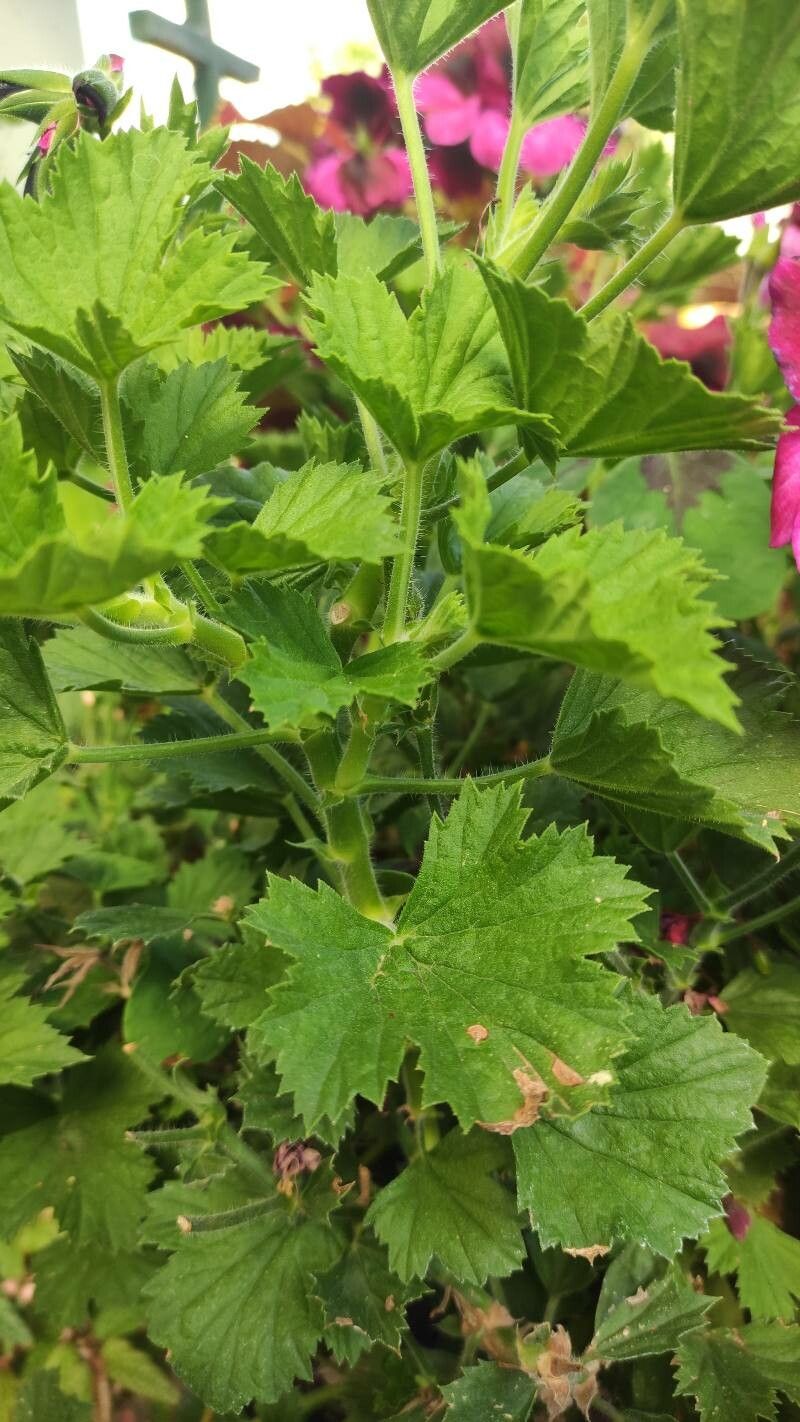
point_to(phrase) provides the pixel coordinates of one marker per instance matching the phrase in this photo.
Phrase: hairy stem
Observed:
(176, 633)
(346, 830)
(198, 583)
(418, 163)
(403, 566)
(372, 439)
(696, 890)
(114, 436)
(456, 652)
(764, 920)
(451, 785)
(647, 253)
(507, 177)
(565, 195)
(764, 881)
(283, 768)
(167, 750)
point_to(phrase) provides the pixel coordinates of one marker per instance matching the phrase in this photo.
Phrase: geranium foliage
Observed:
(399, 743)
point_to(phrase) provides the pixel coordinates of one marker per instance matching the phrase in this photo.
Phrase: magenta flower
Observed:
(361, 103)
(360, 182)
(46, 139)
(451, 116)
(784, 338)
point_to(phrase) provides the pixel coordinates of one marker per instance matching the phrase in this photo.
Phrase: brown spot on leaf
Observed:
(566, 1075)
(589, 1251)
(641, 1296)
(389, 1303)
(564, 1380)
(477, 1032)
(223, 905)
(343, 1321)
(534, 1092)
(184, 1224)
(601, 1078)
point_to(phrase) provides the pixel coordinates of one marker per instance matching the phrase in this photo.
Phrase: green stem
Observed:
(218, 640)
(515, 465)
(762, 882)
(764, 920)
(169, 634)
(418, 163)
(651, 249)
(456, 652)
(451, 785)
(90, 486)
(353, 764)
(299, 787)
(403, 566)
(696, 890)
(565, 195)
(167, 750)
(115, 442)
(346, 829)
(372, 439)
(196, 580)
(507, 177)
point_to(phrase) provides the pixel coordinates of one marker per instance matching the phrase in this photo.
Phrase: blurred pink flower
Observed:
(361, 102)
(784, 328)
(704, 347)
(785, 517)
(46, 139)
(450, 115)
(456, 171)
(360, 182)
(116, 63)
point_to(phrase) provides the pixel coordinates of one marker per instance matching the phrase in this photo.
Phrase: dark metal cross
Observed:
(193, 41)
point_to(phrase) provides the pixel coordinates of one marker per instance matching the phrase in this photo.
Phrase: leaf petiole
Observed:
(415, 148)
(627, 274)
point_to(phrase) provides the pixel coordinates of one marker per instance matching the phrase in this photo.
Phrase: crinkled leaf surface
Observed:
(606, 388)
(29, 1046)
(625, 602)
(416, 33)
(740, 1372)
(494, 937)
(651, 1320)
(92, 272)
(447, 1204)
(765, 1008)
(233, 982)
(188, 421)
(298, 234)
(364, 1301)
(645, 1165)
(766, 1262)
(33, 738)
(489, 1388)
(77, 659)
(295, 675)
(429, 380)
(552, 75)
(737, 123)
(237, 1306)
(322, 512)
(76, 1159)
(63, 573)
(648, 753)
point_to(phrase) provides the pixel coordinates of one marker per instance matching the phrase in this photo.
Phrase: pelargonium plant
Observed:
(400, 801)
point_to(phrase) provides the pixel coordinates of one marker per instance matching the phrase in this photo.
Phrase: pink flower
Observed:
(550, 146)
(704, 347)
(360, 182)
(46, 139)
(784, 328)
(676, 927)
(737, 1218)
(450, 115)
(785, 517)
(117, 63)
(362, 103)
(456, 171)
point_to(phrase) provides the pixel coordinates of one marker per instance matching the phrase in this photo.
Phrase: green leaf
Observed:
(731, 531)
(262, 358)
(490, 1027)
(162, 1015)
(29, 1047)
(740, 1372)
(765, 1009)
(364, 1302)
(77, 659)
(525, 512)
(624, 494)
(386, 245)
(233, 983)
(767, 1263)
(76, 1159)
(322, 513)
(644, 1166)
(268, 1108)
(33, 738)
(104, 280)
(737, 124)
(429, 380)
(780, 1098)
(628, 603)
(40, 1397)
(651, 99)
(69, 395)
(298, 235)
(237, 1307)
(650, 1321)
(448, 1205)
(134, 1371)
(64, 573)
(130, 923)
(30, 502)
(294, 674)
(551, 75)
(14, 1331)
(692, 255)
(192, 420)
(34, 840)
(415, 34)
(605, 386)
(489, 1388)
(641, 751)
